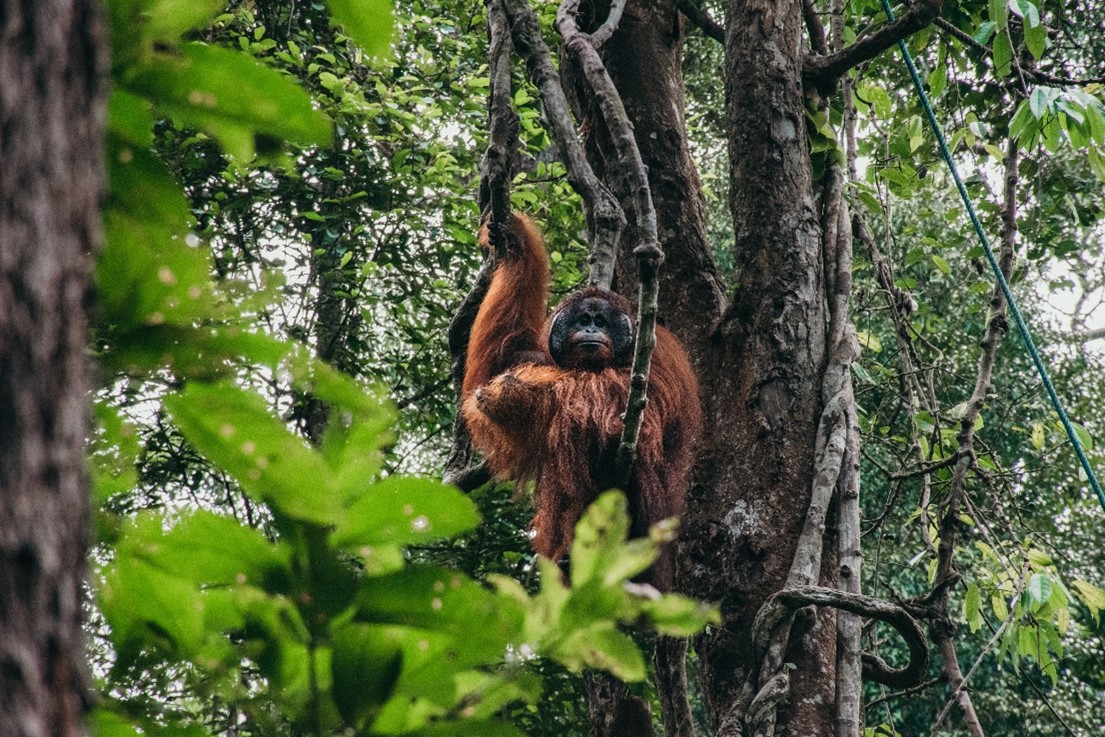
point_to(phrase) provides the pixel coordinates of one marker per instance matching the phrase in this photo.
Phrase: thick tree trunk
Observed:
(51, 132)
(691, 298)
(761, 359)
(771, 355)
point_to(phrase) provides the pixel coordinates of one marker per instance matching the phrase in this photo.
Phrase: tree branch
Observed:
(822, 72)
(702, 19)
(605, 219)
(496, 175)
(606, 30)
(782, 604)
(996, 327)
(648, 253)
(497, 167)
(1031, 75)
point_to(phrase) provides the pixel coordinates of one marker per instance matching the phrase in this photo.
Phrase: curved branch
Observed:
(782, 604)
(606, 30)
(822, 72)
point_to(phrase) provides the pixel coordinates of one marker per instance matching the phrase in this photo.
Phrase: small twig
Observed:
(905, 692)
(928, 468)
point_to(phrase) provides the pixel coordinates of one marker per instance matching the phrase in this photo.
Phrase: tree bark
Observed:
(761, 357)
(52, 92)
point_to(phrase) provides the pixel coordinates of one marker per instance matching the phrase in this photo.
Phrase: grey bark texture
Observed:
(52, 92)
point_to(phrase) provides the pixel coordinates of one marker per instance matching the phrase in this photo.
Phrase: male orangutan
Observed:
(544, 399)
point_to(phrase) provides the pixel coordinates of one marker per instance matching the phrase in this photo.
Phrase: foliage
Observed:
(310, 614)
(246, 572)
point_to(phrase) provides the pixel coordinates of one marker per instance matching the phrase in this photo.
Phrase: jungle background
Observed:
(289, 230)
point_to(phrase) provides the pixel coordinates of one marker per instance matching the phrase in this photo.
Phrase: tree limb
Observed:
(496, 175)
(782, 604)
(1031, 75)
(702, 19)
(605, 219)
(648, 253)
(822, 72)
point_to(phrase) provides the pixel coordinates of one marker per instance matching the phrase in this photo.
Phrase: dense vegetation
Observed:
(289, 231)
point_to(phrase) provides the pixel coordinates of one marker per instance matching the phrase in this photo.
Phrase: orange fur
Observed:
(512, 314)
(560, 428)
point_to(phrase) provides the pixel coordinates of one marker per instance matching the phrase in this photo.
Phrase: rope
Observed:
(1018, 318)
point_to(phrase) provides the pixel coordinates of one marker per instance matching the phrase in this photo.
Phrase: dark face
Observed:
(590, 332)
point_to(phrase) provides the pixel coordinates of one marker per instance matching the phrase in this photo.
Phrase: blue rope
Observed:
(1018, 318)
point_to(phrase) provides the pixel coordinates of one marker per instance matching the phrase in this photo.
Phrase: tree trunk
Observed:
(52, 65)
(760, 358)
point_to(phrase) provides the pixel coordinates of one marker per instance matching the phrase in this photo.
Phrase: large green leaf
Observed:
(603, 646)
(368, 22)
(365, 667)
(446, 601)
(205, 548)
(137, 598)
(238, 431)
(230, 95)
(600, 534)
(400, 510)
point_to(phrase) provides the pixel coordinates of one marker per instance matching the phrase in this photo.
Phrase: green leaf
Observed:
(238, 432)
(1003, 54)
(1039, 558)
(985, 31)
(365, 667)
(1039, 102)
(998, 12)
(1039, 590)
(602, 646)
(1084, 437)
(442, 600)
(403, 511)
(869, 341)
(1024, 125)
(468, 728)
(113, 453)
(368, 22)
(938, 79)
(205, 548)
(231, 96)
(105, 723)
(972, 607)
(1001, 609)
(167, 20)
(1035, 38)
(679, 616)
(1090, 595)
(1038, 435)
(600, 533)
(137, 598)
(129, 119)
